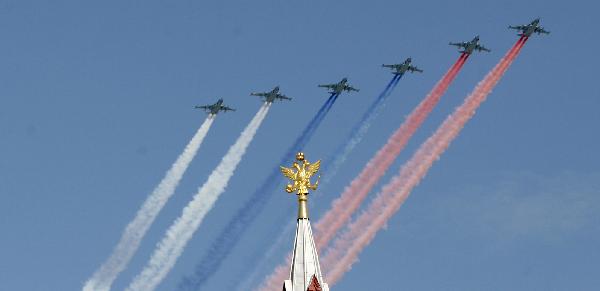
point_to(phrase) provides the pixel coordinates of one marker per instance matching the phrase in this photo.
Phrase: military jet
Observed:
(339, 87)
(470, 46)
(528, 29)
(215, 108)
(272, 95)
(403, 67)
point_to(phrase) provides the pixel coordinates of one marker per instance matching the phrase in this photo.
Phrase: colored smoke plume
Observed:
(344, 206)
(358, 131)
(347, 247)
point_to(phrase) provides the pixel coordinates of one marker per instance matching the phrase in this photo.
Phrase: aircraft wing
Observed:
(350, 88)
(328, 86)
(225, 108)
(482, 48)
(415, 69)
(517, 27)
(283, 97)
(389, 66)
(259, 94)
(205, 107)
(459, 44)
(541, 30)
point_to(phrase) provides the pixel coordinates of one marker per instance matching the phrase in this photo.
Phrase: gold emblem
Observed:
(301, 181)
(301, 177)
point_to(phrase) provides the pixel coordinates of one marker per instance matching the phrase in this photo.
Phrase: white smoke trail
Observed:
(170, 248)
(133, 234)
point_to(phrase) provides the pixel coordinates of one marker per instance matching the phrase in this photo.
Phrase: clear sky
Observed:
(96, 103)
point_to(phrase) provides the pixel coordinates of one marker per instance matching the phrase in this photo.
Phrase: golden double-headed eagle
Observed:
(301, 177)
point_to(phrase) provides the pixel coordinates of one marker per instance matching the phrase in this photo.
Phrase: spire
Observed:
(305, 271)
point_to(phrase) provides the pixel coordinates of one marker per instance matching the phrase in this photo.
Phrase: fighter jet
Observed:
(528, 29)
(469, 47)
(272, 95)
(215, 108)
(403, 67)
(339, 87)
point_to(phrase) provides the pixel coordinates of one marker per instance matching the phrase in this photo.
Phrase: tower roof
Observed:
(305, 270)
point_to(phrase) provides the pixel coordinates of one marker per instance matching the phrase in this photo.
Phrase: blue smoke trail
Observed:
(330, 168)
(358, 132)
(236, 227)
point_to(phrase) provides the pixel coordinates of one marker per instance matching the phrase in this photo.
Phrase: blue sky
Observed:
(96, 103)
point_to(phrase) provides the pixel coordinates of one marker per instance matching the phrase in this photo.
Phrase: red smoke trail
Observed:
(359, 234)
(343, 207)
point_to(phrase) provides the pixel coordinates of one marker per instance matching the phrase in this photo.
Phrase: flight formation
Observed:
(466, 47)
(343, 231)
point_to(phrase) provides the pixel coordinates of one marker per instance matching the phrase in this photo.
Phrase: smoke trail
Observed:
(348, 246)
(353, 195)
(170, 248)
(249, 281)
(130, 240)
(358, 132)
(339, 157)
(236, 227)
(312, 126)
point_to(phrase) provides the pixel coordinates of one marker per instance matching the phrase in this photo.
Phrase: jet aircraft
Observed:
(469, 46)
(403, 67)
(339, 87)
(215, 108)
(272, 95)
(528, 29)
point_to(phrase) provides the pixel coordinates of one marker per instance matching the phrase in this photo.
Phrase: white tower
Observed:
(305, 271)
